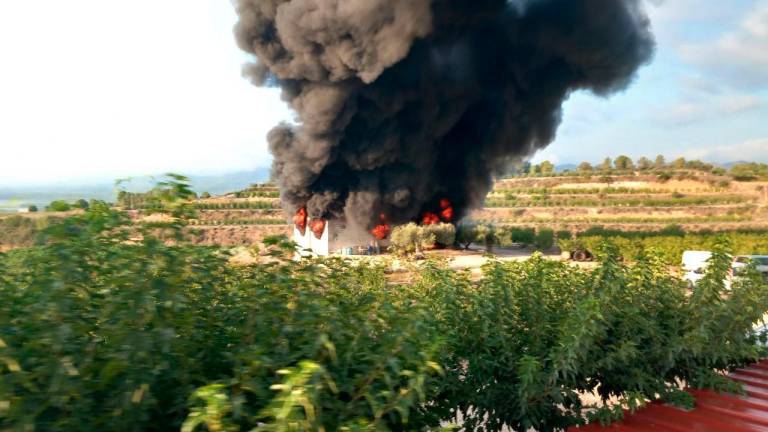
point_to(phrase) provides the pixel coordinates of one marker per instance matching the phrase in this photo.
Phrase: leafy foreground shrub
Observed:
(101, 334)
(525, 340)
(103, 330)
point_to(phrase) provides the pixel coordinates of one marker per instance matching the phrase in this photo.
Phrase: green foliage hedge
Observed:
(669, 244)
(103, 330)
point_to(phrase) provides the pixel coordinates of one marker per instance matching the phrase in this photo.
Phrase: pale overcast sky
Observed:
(101, 89)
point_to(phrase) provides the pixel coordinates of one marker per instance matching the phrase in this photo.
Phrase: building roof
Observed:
(714, 411)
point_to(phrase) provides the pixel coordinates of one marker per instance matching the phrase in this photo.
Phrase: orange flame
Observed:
(300, 220)
(318, 227)
(430, 218)
(445, 214)
(447, 210)
(381, 231)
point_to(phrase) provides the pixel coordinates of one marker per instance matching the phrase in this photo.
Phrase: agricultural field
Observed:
(527, 206)
(568, 203)
(241, 218)
(628, 203)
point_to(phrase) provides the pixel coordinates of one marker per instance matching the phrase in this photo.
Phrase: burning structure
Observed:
(325, 237)
(407, 109)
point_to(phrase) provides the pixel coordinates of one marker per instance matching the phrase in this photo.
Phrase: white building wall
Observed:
(302, 240)
(321, 246)
(332, 241)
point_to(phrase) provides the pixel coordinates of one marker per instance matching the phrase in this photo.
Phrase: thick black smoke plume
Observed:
(402, 103)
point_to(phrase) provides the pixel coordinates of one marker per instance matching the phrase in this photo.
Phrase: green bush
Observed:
(59, 206)
(466, 234)
(545, 239)
(749, 171)
(487, 234)
(106, 327)
(525, 236)
(444, 233)
(411, 238)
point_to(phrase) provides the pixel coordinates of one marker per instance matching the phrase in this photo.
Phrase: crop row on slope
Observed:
(237, 205)
(685, 201)
(630, 220)
(607, 190)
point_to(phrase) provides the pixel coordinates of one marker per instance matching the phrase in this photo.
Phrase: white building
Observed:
(336, 240)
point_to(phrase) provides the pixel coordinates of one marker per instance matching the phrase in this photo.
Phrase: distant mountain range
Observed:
(13, 198)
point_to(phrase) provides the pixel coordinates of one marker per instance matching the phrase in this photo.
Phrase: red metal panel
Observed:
(713, 413)
(756, 392)
(754, 373)
(701, 420)
(750, 381)
(733, 407)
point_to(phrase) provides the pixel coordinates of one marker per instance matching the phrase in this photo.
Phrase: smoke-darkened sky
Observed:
(84, 95)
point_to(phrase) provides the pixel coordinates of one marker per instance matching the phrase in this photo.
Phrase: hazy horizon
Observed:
(263, 171)
(14, 197)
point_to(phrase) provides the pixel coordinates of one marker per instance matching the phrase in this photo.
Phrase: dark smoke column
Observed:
(404, 103)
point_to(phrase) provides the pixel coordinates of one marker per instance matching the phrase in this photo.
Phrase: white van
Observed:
(760, 261)
(695, 266)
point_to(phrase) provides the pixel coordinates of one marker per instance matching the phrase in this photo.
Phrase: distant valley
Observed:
(13, 198)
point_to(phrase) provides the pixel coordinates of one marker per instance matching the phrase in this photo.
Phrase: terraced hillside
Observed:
(240, 218)
(628, 202)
